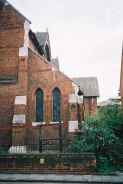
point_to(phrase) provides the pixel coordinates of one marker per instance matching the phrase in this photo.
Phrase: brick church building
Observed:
(34, 94)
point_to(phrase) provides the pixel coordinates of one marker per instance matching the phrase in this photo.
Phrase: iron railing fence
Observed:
(43, 145)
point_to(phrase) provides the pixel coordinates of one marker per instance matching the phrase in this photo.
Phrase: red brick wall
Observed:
(11, 38)
(41, 76)
(90, 105)
(9, 18)
(6, 115)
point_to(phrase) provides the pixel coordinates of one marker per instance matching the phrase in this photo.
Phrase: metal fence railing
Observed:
(43, 145)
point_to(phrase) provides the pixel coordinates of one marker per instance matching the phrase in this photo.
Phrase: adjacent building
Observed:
(90, 88)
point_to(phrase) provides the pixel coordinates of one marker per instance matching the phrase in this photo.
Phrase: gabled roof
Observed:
(44, 41)
(6, 3)
(36, 43)
(88, 85)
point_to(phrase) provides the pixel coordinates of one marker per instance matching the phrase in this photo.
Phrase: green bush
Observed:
(112, 116)
(94, 137)
(102, 135)
(104, 165)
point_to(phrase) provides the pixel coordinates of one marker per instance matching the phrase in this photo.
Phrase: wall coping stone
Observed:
(61, 178)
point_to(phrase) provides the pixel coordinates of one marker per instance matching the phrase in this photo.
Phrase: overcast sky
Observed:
(86, 35)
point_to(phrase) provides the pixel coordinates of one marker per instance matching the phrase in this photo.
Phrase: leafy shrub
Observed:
(112, 117)
(102, 135)
(94, 137)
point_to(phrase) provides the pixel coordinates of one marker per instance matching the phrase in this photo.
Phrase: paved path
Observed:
(53, 178)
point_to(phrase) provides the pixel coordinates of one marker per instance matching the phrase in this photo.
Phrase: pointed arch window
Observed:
(39, 105)
(56, 99)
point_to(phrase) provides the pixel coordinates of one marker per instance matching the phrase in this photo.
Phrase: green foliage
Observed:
(104, 165)
(112, 116)
(101, 135)
(3, 150)
(94, 137)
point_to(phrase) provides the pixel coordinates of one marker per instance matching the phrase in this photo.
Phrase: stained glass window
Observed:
(56, 97)
(39, 105)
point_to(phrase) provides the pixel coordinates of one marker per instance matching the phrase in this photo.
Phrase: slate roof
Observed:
(36, 43)
(55, 61)
(88, 85)
(42, 37)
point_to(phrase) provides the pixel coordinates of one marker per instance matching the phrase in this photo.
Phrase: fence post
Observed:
(60, 137)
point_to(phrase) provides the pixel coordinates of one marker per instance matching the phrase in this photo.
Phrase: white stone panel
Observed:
(19, 119)
(23, 52)
(20, 100)
(17, 149)
(72, 98)
(56, 122)
(42, 160)
(26, 35)
(73, 126)
(38, 123)
(54, 69)
(75, 88)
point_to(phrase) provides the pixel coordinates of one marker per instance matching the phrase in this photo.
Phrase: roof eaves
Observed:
(17, 11)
